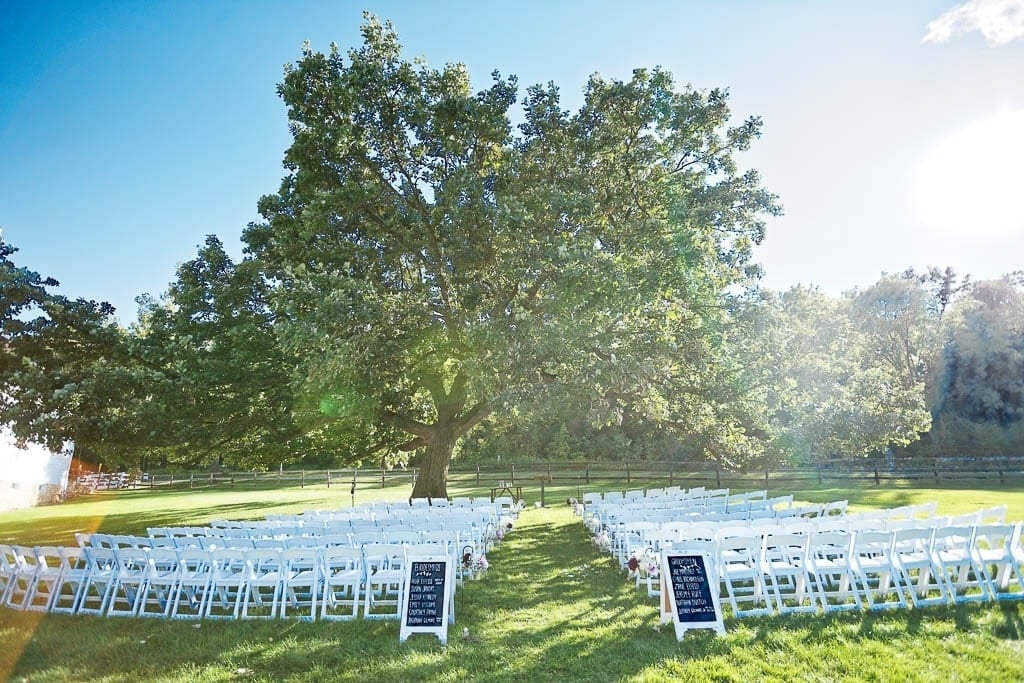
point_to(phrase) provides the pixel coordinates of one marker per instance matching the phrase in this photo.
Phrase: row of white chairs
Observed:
(416, 506)
(624, 538)
(476, 539)
(752, 505)
(781, 572)
(284, 532)
(335, 582)
(620, 530)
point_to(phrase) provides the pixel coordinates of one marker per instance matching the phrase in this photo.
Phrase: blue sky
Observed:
(893, 131)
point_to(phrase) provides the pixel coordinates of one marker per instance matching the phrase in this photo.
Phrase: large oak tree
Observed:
(434, 263)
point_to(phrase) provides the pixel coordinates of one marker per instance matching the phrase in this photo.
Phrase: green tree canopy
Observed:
(56, 357)
(432, 263)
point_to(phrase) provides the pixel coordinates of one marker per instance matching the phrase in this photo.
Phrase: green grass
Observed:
(551, 608)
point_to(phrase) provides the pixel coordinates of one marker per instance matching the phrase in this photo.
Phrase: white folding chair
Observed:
(160, 586)
(343, 579)
(300, 582)
(784, 563)
(872, 565)
(384, 580)
(263, 583)
(48, 565)
(22, 562)
(195, 572)
(831, 570)
(99, 582)
(129, 581)
(993, 549)
(740, 571)
(228, 577)
(74, 568)
(966, 580)
(915, 567)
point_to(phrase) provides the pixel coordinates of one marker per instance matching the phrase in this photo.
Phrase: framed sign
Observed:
(689, 592)
(427, 597)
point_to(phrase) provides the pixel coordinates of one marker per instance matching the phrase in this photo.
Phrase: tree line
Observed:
(445, 273)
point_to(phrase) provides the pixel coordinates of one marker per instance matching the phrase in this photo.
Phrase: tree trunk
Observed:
(432, 480)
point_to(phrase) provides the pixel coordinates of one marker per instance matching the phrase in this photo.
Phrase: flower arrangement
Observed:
(602, 540)
(475, 563)
(643, 564)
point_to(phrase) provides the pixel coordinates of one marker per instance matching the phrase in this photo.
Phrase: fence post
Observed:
(671, 473)
(513, 474)
(718, 475)
(819, 474)
(191, 475)
(382, 477)
(588, 472)
(211, 477)
(171, 483)
(254, 479)
(878, 479)
(629, 479)
(935, 471)
(1001, 477)
(232, 480)
(328, 479)
(542, 493)
(302, 479)
(477, 476)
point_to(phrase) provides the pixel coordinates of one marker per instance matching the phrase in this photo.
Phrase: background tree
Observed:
(57, 361)
(432, 266)
(213, 384)
(978, 399)
(843, 385)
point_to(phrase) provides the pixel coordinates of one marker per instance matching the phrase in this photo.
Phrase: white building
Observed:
(31, 475)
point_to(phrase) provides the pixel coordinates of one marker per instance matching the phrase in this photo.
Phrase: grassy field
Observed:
(550, 608)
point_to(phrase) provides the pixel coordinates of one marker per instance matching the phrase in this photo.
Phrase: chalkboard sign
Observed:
(690, 592)
(425, 601)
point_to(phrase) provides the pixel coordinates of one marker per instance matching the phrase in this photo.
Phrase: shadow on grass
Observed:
(552, 607)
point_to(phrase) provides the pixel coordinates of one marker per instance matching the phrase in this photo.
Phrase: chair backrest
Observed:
(995, 537)
(25, 559)
(786, 547)
(954, 537)
(339, 558)
(912, 541)
(830, 544)
(73, 560)
(966, 519)
(872, 542)
(383, 556)
(992, 515)
(740, 548)
(48, 558)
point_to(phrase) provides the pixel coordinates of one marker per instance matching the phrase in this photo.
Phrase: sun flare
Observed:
(970, 184)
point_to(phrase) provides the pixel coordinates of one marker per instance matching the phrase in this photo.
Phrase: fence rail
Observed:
(999, 471)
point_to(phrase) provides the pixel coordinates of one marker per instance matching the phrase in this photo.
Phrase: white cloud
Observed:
(1000, 21)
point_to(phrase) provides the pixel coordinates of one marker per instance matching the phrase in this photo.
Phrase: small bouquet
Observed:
(475, 563)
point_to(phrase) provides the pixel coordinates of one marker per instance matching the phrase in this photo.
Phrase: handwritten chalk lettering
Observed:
(426, 598)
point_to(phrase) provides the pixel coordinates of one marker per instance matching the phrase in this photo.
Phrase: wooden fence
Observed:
(998, 471)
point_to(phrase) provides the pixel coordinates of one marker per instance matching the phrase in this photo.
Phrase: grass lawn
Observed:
(552, 607)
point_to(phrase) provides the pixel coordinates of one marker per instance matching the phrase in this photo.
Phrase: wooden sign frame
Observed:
(689, 592)
(427, 596)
